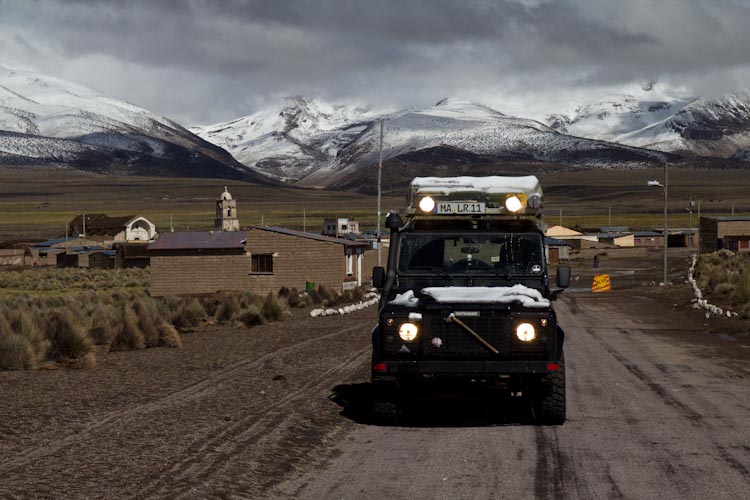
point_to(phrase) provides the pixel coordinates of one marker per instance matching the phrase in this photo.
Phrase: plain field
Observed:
(36, 202)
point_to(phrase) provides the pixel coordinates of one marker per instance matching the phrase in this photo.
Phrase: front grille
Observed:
(458, 341)
(495, 327)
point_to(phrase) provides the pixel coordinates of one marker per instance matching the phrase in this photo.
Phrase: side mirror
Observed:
(563, 277)
(378, 277)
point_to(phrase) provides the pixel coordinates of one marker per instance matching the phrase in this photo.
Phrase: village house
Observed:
(193, 263)
(730, 232)
(284, 257)
(108, 230)
(556, 250)
(340, 227)
(260, 259)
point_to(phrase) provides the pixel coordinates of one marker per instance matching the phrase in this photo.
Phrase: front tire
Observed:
(550, 407)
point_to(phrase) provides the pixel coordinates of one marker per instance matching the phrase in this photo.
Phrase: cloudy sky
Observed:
(205, 61)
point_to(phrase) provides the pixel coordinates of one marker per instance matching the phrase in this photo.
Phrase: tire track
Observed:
(212, 452)
(185, 395)
(693, 417)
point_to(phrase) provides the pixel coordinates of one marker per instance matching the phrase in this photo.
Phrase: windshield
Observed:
(471, 253)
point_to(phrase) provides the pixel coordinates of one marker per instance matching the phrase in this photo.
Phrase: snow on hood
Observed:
(528, 297)
(405, 299)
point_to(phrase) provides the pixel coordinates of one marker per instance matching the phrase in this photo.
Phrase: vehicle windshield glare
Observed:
(471, 253)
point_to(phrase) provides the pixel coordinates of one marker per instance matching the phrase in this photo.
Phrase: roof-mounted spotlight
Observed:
(427, 204)
(513, 203)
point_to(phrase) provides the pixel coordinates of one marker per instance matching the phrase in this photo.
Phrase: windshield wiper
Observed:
(437, 270)
(501, 272)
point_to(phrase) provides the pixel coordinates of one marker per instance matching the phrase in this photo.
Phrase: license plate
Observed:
(459, 207)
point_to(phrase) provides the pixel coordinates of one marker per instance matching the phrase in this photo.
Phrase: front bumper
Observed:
(390, 368)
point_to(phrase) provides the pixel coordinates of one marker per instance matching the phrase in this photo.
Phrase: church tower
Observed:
(226, 213)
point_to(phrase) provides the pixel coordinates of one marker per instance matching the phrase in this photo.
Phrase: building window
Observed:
(343, 227)
(262, 263)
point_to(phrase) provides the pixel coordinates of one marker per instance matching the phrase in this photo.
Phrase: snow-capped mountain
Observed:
(47, 120)
(316, 145)
(662, 119)
(289, 140)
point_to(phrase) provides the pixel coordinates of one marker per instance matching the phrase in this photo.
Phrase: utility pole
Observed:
(84, 225)
(732, 209)
(171, 223)
(304, 221)
(690, 220)
(262, 221)
(380, 174)
(561, 217)
(610, 217)
(666, 231)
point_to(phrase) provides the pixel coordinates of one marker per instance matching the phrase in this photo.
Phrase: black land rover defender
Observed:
(466, 298)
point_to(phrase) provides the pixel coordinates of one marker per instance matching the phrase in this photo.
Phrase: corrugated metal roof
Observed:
(195, 240)
(313, 236)
(729, 218)
(555, 242)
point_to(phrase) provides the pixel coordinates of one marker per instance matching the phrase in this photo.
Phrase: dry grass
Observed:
(724, 279)
(61, 329)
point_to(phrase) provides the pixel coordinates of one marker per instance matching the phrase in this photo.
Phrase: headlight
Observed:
(513, 203)
(525, 332)
(426, 204)
(408, 332)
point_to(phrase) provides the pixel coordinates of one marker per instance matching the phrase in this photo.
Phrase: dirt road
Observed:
(657, 408)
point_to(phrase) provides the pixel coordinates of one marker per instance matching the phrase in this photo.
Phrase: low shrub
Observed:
(103, 319)
(129, 336)
(741, 293)
(252, 316)
(148, 320)
(273, 309)
(228, 309)
(168, 335)
(16, 352)
(69, 343)
(189, 314)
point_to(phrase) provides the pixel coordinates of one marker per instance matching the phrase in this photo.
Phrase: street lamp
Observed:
(666, 197)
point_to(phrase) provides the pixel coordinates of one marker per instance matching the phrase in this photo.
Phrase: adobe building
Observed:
(732, 233)
(284, 257)
(226, 213)
(339, 227)
(259, 260)
(194, 263)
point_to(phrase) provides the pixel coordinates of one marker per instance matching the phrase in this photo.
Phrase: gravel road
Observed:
(657, 408)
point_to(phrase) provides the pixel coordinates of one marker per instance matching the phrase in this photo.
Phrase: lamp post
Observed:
(666, 199)
(380, 170)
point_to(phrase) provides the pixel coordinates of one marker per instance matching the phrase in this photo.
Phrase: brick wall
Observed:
(733, 228)
(198, 273)
(296, 260)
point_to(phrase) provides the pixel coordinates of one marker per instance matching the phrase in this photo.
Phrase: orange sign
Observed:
(601, 283)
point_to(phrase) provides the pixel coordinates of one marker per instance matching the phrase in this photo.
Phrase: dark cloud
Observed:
(205, 60)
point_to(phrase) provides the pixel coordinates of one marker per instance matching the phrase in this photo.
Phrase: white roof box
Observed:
(464, 195)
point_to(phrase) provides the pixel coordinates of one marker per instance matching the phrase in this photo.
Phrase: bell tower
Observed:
(226, 213)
